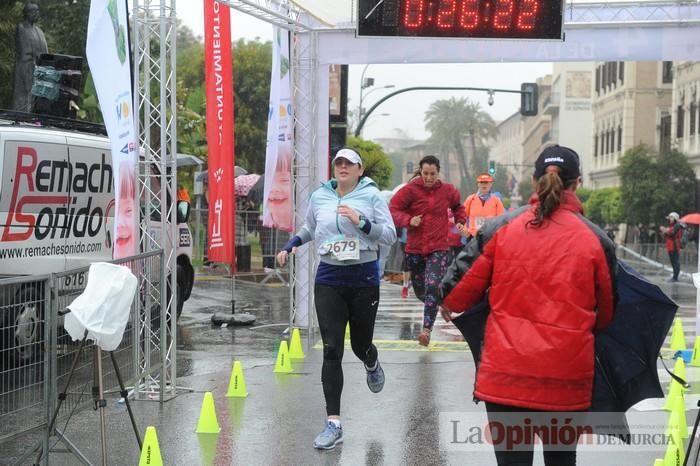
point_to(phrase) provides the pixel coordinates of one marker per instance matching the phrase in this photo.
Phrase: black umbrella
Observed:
(625, 352)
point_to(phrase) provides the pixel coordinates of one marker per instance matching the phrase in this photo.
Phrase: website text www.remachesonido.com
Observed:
(49, 250)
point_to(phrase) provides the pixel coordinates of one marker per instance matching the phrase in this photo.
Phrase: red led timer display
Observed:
(526, 19)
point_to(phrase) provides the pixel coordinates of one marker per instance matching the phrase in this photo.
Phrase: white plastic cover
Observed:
(103, 308)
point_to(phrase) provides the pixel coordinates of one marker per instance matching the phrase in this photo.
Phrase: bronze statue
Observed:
(30, 43)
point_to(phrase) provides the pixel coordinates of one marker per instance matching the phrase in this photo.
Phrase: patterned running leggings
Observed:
(426, 273)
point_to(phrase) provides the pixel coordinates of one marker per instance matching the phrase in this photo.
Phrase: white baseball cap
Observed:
(674, 215)
(349, 155)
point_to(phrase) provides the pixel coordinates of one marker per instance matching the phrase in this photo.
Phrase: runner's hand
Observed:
(446, 314)
(416, 221)
(349, 213)
(282, 256)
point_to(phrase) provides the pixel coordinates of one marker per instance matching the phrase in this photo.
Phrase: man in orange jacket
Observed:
(482, 205)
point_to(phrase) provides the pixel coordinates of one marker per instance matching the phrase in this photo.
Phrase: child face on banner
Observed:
(279, 198)
(125, 239)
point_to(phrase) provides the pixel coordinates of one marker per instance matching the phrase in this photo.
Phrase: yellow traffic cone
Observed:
(150, 452)
(679, 369)
(295, 349)
(208, 424)
(674, 391)
(677, 336)
(236, 386)
(674, 451)
(678, 410)
(283, 364)
(695, 360)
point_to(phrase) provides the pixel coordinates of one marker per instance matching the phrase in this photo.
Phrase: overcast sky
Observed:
(406, 111)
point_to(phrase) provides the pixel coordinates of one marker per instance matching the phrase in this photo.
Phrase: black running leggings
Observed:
(335, 306)
(523, 453)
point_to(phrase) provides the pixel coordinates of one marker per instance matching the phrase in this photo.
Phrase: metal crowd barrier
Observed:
(656, 252)
(256, 246)
(24, 370)
(37, 352)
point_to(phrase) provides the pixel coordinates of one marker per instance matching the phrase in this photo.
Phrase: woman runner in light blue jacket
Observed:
(349, 220)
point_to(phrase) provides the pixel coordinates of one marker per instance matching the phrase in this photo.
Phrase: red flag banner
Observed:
(219, 85)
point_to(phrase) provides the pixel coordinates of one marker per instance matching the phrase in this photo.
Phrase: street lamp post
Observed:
(364, 84)
(388, 86)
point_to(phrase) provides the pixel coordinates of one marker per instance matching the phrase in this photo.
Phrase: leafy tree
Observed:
(453, 122)
(252, 65)
(10, 15)
(584, 194)
(603, 206)
(376, 163)
(654, 184)
(191, 121)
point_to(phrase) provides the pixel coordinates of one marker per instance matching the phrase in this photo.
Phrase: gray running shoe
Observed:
(331, 436)
(375, 379)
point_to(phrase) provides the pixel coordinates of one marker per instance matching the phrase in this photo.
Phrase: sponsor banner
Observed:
(107, 51)
(54, 208)
(277, 198)
(560, 431)
(219, 84)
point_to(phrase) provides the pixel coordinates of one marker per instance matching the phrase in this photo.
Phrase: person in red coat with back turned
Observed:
(550, 277)
(421, 206)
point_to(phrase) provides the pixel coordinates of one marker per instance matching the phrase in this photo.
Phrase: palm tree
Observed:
(452, 122)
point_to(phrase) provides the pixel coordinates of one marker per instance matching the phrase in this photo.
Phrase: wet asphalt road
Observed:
(277, 422)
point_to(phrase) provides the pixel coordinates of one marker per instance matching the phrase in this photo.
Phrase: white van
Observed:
(57, 213)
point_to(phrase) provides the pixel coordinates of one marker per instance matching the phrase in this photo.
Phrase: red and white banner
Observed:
(107, 51)
(218, 71)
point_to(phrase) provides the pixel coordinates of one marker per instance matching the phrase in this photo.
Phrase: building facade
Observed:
(685, 115)
(507, 149)
(631, 106)
(569, 107)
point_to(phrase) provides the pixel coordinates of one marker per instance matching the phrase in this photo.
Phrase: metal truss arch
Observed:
(631, 14)
(282, 14)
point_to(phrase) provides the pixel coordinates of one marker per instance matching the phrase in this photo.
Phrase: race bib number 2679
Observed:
(344, 248)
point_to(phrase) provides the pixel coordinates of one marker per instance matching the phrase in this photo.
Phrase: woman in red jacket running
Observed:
(550, 278)
(421, 206)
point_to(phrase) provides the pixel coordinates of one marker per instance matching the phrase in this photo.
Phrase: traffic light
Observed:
(528, 99)
(492, 167)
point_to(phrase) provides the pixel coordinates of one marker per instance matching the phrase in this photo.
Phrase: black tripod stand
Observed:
(692, 438)
(98, 398)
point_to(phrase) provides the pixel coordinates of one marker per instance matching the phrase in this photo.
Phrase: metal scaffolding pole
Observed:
(155, 101)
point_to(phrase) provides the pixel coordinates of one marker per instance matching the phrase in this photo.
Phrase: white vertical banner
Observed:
(109, 58)
(277, 197)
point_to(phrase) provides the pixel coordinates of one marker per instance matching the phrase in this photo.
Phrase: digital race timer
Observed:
(504, 19)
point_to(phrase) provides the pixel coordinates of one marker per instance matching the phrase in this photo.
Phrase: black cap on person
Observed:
(562, 157)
